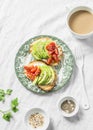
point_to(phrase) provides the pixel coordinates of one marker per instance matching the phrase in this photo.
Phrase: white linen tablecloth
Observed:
(21, 20)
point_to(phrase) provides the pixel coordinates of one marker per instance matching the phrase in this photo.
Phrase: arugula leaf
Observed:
(14, 104)
(7, 116)
(9, 91)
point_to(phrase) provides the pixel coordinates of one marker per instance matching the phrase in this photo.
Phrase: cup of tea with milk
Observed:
(80, 22)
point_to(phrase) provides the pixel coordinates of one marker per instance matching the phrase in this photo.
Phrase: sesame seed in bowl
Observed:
(36, 119)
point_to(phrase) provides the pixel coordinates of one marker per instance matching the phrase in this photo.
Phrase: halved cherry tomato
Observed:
(50, 48)
(37, 71)
(49, 60)
(56, 51)
(55, 57)
(51, 52)
(27, 68)
(34, 69)
(52, 44)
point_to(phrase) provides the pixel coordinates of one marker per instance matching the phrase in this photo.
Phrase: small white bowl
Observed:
(61, 100)
(37, 110)
(80, 36)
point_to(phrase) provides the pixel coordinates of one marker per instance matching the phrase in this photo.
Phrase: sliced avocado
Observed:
(36, 80)
(47, 76)
(51, 79)
(51, 75)
(43, 76)
(39, 49)
(35, 51)
(44, 53)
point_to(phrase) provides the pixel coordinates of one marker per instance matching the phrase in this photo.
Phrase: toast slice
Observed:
(60, 55)
(46, 87)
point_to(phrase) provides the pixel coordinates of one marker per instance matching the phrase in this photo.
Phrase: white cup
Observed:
(80, 36)
(64, 98)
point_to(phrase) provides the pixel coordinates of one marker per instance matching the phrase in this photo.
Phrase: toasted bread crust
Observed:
(43, 87)
(59, 50)
(47, 87)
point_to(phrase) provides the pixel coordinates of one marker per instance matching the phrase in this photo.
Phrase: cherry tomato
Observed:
(56, 51)
(27, 68)
(49, 60)
(37, 72)
(34, 69)
(55, 57)
(52, 44)
(51, 52)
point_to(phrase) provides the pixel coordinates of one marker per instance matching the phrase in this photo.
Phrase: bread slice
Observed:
(43, 87)
(58, 46)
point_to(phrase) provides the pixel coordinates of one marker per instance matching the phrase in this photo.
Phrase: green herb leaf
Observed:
(2, 98)
(9, 91)
(2, 92)
(14, 104)
(2, 95)
(7, 116)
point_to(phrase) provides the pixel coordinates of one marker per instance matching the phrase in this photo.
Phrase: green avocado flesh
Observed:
(46, 76)
(39, 49)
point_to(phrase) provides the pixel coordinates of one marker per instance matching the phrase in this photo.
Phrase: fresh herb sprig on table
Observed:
(7, 115)
(14, 105)
(3, 93)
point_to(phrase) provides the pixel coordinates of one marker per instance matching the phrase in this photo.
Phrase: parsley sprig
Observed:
(14, 105)
(7, 115)
(3, 93)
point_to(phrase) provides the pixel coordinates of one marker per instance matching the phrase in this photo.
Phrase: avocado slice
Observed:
(35, 51)
(52, 77)
(45, 54)
(36, 80)
(42, 53)
(39, 49)
(48, 73)
(43, 76)
(47, 76)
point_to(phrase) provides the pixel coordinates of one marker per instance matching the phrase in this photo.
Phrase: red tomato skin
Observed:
(49, 60)
(56, 51)
(55, 57)
(34, 69)
(37, 71)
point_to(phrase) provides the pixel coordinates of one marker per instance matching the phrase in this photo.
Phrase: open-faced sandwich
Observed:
(41, 74)
(47, 50)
